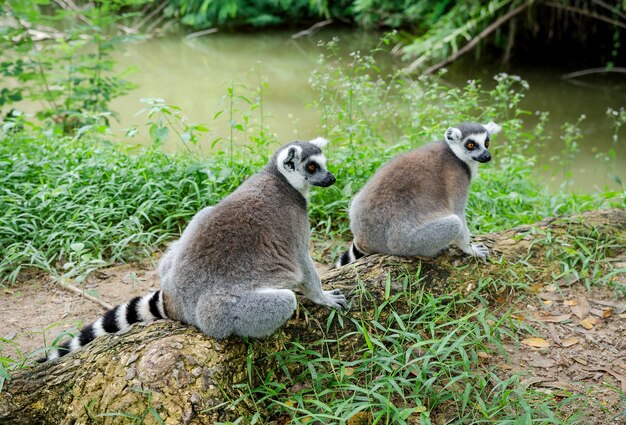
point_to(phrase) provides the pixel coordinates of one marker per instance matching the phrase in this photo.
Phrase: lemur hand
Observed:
(334, 299)
(480, 250)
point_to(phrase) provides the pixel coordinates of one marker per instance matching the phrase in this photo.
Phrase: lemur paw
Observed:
(480, 250)
(334, 299)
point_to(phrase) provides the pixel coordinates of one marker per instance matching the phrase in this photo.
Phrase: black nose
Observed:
(327, 181)
(484, 157)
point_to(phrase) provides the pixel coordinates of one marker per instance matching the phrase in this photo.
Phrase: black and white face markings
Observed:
(139, 309)
(316, 172)
(470, 141)
(304, 164)
(476, 145)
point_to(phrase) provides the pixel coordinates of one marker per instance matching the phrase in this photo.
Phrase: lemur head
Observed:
(470, 141)
(303, 164)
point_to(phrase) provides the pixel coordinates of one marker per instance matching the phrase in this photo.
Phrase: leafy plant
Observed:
(59, 60)
(200, 14)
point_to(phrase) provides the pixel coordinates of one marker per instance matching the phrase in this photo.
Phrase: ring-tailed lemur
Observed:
(236, 265)
(415, 204)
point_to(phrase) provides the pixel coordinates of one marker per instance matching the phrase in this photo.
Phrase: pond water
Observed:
(195, 74)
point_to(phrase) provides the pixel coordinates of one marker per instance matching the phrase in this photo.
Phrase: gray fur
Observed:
(415, 204)
(235, 267)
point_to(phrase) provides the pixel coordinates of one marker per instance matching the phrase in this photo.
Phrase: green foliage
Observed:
(162, 118)
(200, 14)
(69, 204)
(72, 204)
(461, 23)
(58, 61)
(417, 360)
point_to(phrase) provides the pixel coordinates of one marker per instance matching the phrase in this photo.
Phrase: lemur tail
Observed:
(349, 256)
(140, 309)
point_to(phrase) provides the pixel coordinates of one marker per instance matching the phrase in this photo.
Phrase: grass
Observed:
(69, 206)
(73, 203)
(422, 359)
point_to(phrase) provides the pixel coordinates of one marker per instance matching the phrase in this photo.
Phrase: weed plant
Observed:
(59, 60)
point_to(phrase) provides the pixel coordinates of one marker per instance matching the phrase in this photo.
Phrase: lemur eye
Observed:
(311, 167)
(487, 143)
(470, 146)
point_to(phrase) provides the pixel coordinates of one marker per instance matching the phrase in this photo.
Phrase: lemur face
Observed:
(315, 172)
(304, 164)
(476, 147)
(470, 142)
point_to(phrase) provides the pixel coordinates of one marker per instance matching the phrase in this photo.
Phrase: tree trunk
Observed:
(173, 372)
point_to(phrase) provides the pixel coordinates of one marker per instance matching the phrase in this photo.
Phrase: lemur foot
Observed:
(334, 299)
(480, 250)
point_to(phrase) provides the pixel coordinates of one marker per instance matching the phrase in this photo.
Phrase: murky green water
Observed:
(197, 74)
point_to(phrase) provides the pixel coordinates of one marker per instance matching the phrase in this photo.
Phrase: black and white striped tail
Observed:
(139, 309)
(349, 256)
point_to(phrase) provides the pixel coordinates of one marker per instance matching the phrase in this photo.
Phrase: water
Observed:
(566, 101)
(196, 75)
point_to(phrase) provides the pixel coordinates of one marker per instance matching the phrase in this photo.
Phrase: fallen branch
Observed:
(312, 30)
(615, 9)
(587, 13)
(200, 33)
(591, 71)
(71, 288)
(147, 16)
(186, 377)
(474, 41)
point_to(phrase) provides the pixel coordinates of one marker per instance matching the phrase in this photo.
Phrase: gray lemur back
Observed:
(236, 265)
(415, 204)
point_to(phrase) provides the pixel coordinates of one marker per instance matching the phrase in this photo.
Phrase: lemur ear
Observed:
(289, 161)
(320, 142)
(453, 134)
(492, 128)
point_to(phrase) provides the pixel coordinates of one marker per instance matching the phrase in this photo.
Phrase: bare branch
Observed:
(71, 288)
(586, 12)
(474, 41)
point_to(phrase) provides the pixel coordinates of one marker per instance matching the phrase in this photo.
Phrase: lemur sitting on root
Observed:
(415, 204)
(236, 266)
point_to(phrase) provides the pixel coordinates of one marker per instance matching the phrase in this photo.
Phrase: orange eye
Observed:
(311, 167)
(471, 146)
(486, 143)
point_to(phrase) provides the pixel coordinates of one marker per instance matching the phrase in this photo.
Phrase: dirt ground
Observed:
(576, 344)
(38, 310)
(576, 337)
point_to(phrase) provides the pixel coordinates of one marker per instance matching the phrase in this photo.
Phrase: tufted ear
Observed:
(320, 142)
(289, 158)
(453, 134)
(492, 128)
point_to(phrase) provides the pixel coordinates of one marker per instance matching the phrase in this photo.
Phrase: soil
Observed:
(37, 310)
(573, 339)
(575, 343)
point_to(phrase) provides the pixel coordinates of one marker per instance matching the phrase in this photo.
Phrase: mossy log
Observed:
(173, 371)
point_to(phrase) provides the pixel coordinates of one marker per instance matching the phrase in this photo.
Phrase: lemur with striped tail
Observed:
(415, 204)
(237, 264)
